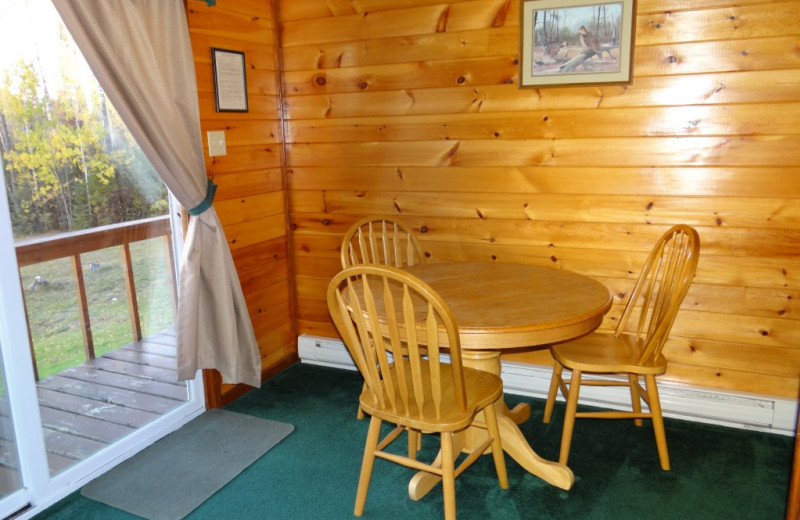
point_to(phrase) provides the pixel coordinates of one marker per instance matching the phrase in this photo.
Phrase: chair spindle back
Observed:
(388, 317)
(660, 289)
(375, 240)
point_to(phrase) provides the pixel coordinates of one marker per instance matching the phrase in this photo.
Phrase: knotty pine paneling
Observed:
(643, 180)
(251, 198)
(410, 109)
(728, 88)
(775, 213)
(712, 120)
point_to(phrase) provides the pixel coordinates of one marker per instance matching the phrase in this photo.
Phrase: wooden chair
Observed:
(634, 350)
(385, 317)
(376, 240)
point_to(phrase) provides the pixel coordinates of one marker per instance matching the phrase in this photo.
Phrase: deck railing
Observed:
(73, 244)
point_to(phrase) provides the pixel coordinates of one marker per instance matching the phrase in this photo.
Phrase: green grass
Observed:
(53, 308)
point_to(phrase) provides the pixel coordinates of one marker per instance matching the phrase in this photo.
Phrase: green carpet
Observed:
(717, 472)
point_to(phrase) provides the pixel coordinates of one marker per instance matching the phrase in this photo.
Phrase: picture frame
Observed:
(576, 42)
(230, 81)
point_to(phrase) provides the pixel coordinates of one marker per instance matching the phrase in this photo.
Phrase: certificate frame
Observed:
(576, 42)
(230, 81)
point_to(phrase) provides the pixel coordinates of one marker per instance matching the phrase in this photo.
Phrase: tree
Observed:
(69, 162)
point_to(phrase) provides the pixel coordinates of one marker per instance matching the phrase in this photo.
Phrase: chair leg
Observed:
(360, 412)
(373, 436)
(658, 421)
(414, 440)
(553, 392)
(569, 416)
(490, 414)
(636, 401)
(448, 476)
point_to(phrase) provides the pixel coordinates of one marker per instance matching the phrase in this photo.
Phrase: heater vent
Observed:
(754, 412)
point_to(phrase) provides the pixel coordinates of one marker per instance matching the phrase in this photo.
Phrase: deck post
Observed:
(83, 306)
(130, 289)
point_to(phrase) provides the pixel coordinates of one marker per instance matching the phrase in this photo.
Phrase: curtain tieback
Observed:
(206, 203)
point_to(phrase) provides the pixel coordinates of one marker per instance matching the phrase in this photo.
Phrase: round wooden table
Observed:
(500, 306)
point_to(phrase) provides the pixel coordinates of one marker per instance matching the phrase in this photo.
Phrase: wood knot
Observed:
(320, 80)
(423, 229)
(326, 222)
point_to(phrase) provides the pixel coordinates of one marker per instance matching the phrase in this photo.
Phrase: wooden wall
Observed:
(251, 198)
(409, 108)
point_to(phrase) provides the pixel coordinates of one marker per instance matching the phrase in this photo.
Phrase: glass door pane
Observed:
(93, 242)
(88, 288)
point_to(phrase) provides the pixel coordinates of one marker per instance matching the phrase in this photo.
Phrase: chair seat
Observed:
(601, 353)
(482, 389)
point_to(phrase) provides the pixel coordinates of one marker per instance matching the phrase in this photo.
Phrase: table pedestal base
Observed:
(514, 442)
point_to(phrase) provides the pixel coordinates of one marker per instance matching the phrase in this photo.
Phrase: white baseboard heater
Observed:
(738, 410)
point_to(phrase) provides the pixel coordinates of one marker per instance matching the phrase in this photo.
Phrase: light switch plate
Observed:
(216, 143)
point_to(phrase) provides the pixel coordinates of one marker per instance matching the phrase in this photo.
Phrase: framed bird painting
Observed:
(576, 42)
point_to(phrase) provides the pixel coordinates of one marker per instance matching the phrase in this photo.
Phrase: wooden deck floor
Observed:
(90, 406)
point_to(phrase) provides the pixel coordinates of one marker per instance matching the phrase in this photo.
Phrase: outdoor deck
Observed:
(90, 406)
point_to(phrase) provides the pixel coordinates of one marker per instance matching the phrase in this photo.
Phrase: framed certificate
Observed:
(230, 85)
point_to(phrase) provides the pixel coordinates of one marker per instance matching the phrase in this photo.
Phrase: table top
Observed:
(499, 306)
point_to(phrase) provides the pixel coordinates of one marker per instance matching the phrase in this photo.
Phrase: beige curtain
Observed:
(141, 54)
